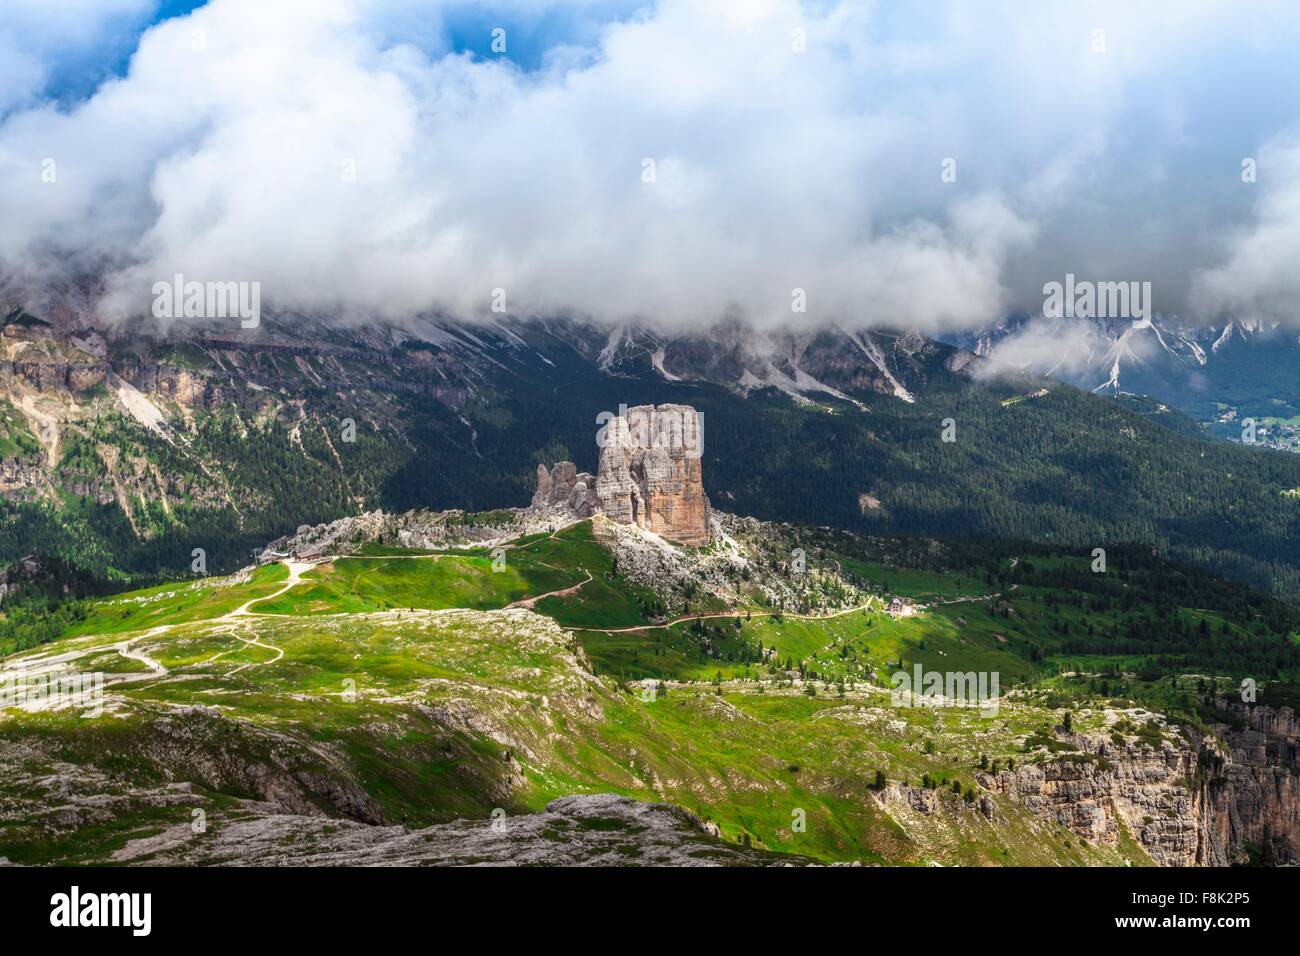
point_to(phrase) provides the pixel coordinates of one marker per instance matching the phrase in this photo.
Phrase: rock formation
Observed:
(1196, 800)
(420, 528)
(600, 829)
(649, 475)
(565, 487)
(1251, 789)
(25, 572)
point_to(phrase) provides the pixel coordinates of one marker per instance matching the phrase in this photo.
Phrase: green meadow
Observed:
(171, 604)
(408, 676)
(360, 585)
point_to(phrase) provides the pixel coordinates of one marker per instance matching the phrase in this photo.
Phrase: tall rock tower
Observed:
(649, 472)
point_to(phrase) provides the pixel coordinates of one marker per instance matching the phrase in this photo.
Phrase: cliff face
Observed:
(1227, 797)
(1252, 797)
(565, 487)
(650, 475)
(1107, 785)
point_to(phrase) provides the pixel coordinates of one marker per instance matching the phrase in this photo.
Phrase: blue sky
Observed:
(465, 27)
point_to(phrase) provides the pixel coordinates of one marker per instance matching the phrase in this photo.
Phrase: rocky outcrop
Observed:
(1217, 799)
(421, 528)
(23, 573)
(176, 384)
(650, 474)
(565, 487)
(20, 478)
(1251, 804)
(585, 830)
(1104, 785)
(751, 559)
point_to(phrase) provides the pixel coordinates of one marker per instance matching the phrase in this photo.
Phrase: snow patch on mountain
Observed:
(1223, 338)
(613, 346)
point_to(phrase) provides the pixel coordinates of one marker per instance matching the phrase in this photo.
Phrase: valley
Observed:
(390, 702)
(412, 661)
(249, 436)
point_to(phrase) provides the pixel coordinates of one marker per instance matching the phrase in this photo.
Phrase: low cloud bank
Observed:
(694, 160)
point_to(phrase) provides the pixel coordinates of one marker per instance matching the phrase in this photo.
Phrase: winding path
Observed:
(254, 642)
(296, 568)
(752, 614)
(238, 617)
(153, 665)
(573, 589)
(40, 663)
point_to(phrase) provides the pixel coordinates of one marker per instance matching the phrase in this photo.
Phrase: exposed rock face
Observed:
(19, 478)
(749, 557)
(25, 571)
(1189, 802)
(650, 473)
(565, 487)
(430, 530)
(586, 830)
(1252, 794)
(1137, 784)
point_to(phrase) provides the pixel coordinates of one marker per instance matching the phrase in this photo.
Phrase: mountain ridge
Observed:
(125, 453)
(1241, 364)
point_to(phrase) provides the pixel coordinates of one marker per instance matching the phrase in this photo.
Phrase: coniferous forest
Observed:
(1067, 469)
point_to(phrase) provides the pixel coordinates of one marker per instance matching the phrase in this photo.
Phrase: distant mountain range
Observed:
(124, 451)
(1244, 365)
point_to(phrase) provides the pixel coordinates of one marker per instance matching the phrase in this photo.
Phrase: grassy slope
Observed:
(747, 761)
(170, 604)
(359, 585)
(334, 667)
(386, 578)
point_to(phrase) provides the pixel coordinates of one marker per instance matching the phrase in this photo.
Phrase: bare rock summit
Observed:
(565, 487)
(649, 475)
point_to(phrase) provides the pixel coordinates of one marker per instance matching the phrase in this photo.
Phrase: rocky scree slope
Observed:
(582, 830)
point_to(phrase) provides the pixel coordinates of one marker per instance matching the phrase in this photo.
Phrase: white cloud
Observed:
(37, 36)
(775, 169)
(1258, 277)
(1041, 346)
